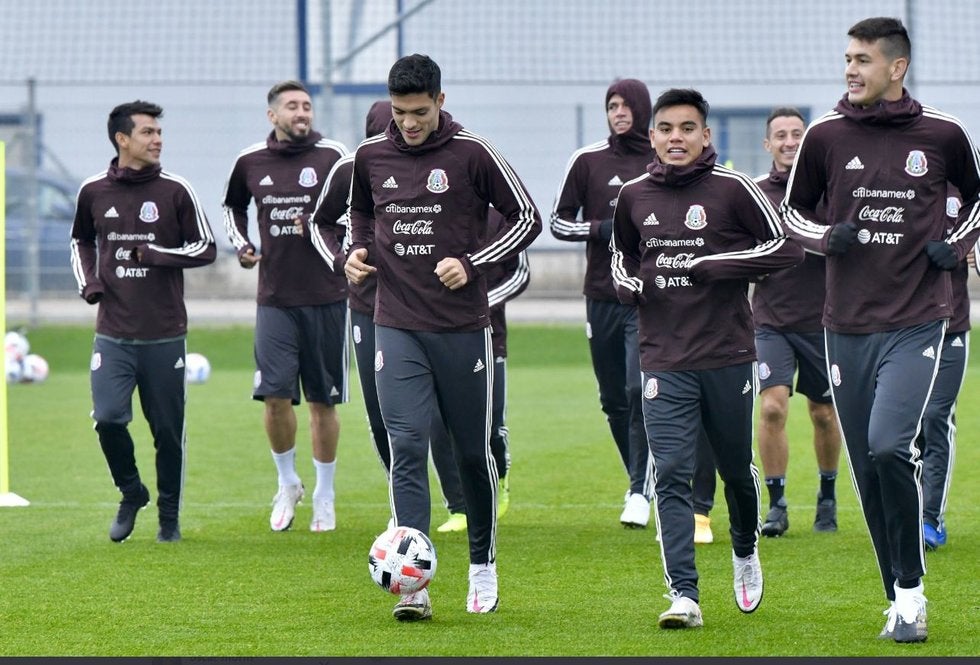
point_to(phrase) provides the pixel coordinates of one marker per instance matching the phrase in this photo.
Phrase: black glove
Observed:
(605, 230)
(942, 254)
(93, 297)
(841, 237)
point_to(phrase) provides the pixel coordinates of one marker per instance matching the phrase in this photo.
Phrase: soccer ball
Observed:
(197, 367)
(35, 369)
(16, 346)
(15, 370)
(402, 560)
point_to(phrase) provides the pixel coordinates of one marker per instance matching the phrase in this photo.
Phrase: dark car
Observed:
(55, 207)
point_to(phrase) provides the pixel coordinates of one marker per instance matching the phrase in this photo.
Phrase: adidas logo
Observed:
(929, 353)
(266, 181)
(111, 212)
(651, 220)
(854, 165)
(747, 389)
(390, 183)
(615, 180)
(957, 342)
(334, 392)
(179, 364)
(478, 366)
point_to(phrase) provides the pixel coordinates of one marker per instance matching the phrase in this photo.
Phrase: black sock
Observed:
(776, 486)
(828, 480)
(909, 584)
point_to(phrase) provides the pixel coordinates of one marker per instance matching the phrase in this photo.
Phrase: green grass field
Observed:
(573, 582)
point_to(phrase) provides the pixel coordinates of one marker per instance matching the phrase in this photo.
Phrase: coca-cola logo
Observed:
(285, 214)
(123, 254)
(676, 262)
(421, 227)
(889, 214)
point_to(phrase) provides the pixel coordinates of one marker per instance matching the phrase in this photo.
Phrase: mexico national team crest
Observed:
(149, 212)
(696, 218)
(438, 181)
(307, 177)
(651, 389)
(916, 164)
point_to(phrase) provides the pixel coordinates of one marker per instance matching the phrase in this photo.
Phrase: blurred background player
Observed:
(431, 178)
(787, 307)
(301, 314)
(687, 238)
(141, 326)
(881, 161)
(937, 436)
(505, 282)
(583, 213)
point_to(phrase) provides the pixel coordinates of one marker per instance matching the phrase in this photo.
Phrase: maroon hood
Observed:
(637, 97)
(448, 128)
(900, 112)
(378, 118)
(680, 176)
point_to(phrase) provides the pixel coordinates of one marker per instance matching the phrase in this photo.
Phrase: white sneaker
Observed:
(683, 613)
(636, 512)
(413, 607)
(748, 581)
(482, 597)
(324, 518)
(284, 506)
(907, 616)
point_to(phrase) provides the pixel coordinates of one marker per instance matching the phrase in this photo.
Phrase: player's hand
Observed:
(94, 297)
(299, 223)
(605, 230)
(971, 258)
(941, 254)
(249, 258)
(356, 269)
(451, 273)
(841, 237)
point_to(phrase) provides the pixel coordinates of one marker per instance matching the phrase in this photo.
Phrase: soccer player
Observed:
(687, 237)
(330, 219)
(881, 162)
(787, 307)
(937, 436)
(419, 201)
(583, 213)
(301, 314)
(505, 282)
(136, 227)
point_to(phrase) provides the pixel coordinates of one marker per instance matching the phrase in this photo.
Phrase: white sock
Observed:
(286, 465)
(324, 479)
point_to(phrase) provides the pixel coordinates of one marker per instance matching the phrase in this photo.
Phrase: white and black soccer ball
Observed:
(197, 367)
(16, 346)
(402, 560)
(14, 369)
(35, 369)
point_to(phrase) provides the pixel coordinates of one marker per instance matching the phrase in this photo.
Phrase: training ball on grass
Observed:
(402, 560)
(16, 346)
(14, 368)
(197, 367)
(35, 369)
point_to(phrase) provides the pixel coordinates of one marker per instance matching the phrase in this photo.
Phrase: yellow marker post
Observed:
(7, 498)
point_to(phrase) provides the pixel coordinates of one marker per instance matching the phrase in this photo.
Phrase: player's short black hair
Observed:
(783, 112)
(284, 86)
(414, 74)
(683, 97)
(121, 118)
(895, 42)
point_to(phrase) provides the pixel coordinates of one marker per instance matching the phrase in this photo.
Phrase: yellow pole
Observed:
(7, 498)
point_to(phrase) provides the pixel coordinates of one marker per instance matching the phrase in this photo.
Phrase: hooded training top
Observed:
(884, 168)
(118, 211)
(412, 206)
(789, 300)
(686, 240)
(284, 178)
(591, 184)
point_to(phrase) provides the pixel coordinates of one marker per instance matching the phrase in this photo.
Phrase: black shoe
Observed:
(826, 520)
(125, 520)
(169, 532)
(777, 522)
